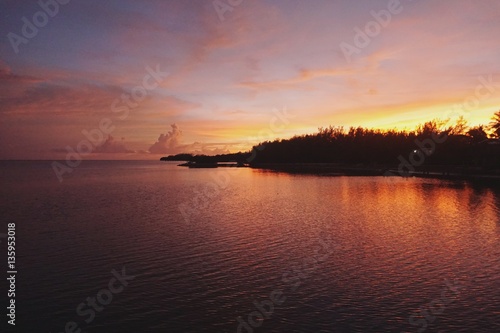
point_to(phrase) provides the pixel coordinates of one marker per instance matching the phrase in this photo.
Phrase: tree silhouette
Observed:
(495, 124)
(460, 128)
(454, 148)
(477, 134)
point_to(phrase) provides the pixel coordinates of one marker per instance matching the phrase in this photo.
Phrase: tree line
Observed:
(459, 145)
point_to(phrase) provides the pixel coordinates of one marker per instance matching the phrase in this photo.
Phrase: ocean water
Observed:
(146, 246)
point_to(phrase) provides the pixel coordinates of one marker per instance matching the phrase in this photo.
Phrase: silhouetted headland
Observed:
(432, 150)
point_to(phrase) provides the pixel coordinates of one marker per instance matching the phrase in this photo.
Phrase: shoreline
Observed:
(445, 172)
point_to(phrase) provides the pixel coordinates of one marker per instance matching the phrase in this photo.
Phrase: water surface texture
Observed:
(208, 247)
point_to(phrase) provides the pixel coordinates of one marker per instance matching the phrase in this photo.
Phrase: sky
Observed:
(130, 79)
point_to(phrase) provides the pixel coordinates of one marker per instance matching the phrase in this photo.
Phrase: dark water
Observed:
(208, 246)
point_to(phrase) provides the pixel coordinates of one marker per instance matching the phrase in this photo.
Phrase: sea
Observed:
(148, 246)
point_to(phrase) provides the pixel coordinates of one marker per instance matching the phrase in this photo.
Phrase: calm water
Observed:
(335, 254)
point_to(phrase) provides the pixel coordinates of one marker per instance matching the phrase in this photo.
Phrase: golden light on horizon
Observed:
(221, 82)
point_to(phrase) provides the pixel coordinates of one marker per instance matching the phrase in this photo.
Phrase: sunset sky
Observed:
(232, 69)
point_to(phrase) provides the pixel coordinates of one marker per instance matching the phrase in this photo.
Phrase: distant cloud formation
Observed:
(171, 143)
(167, 143)
(110, 146)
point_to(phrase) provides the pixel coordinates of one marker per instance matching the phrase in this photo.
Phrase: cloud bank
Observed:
(171, 143)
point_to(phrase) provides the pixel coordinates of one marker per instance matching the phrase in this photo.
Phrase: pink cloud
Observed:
(171, 143)
(168, 143)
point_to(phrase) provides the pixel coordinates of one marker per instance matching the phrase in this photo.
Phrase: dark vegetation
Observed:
(237, 157)
(436, 141)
